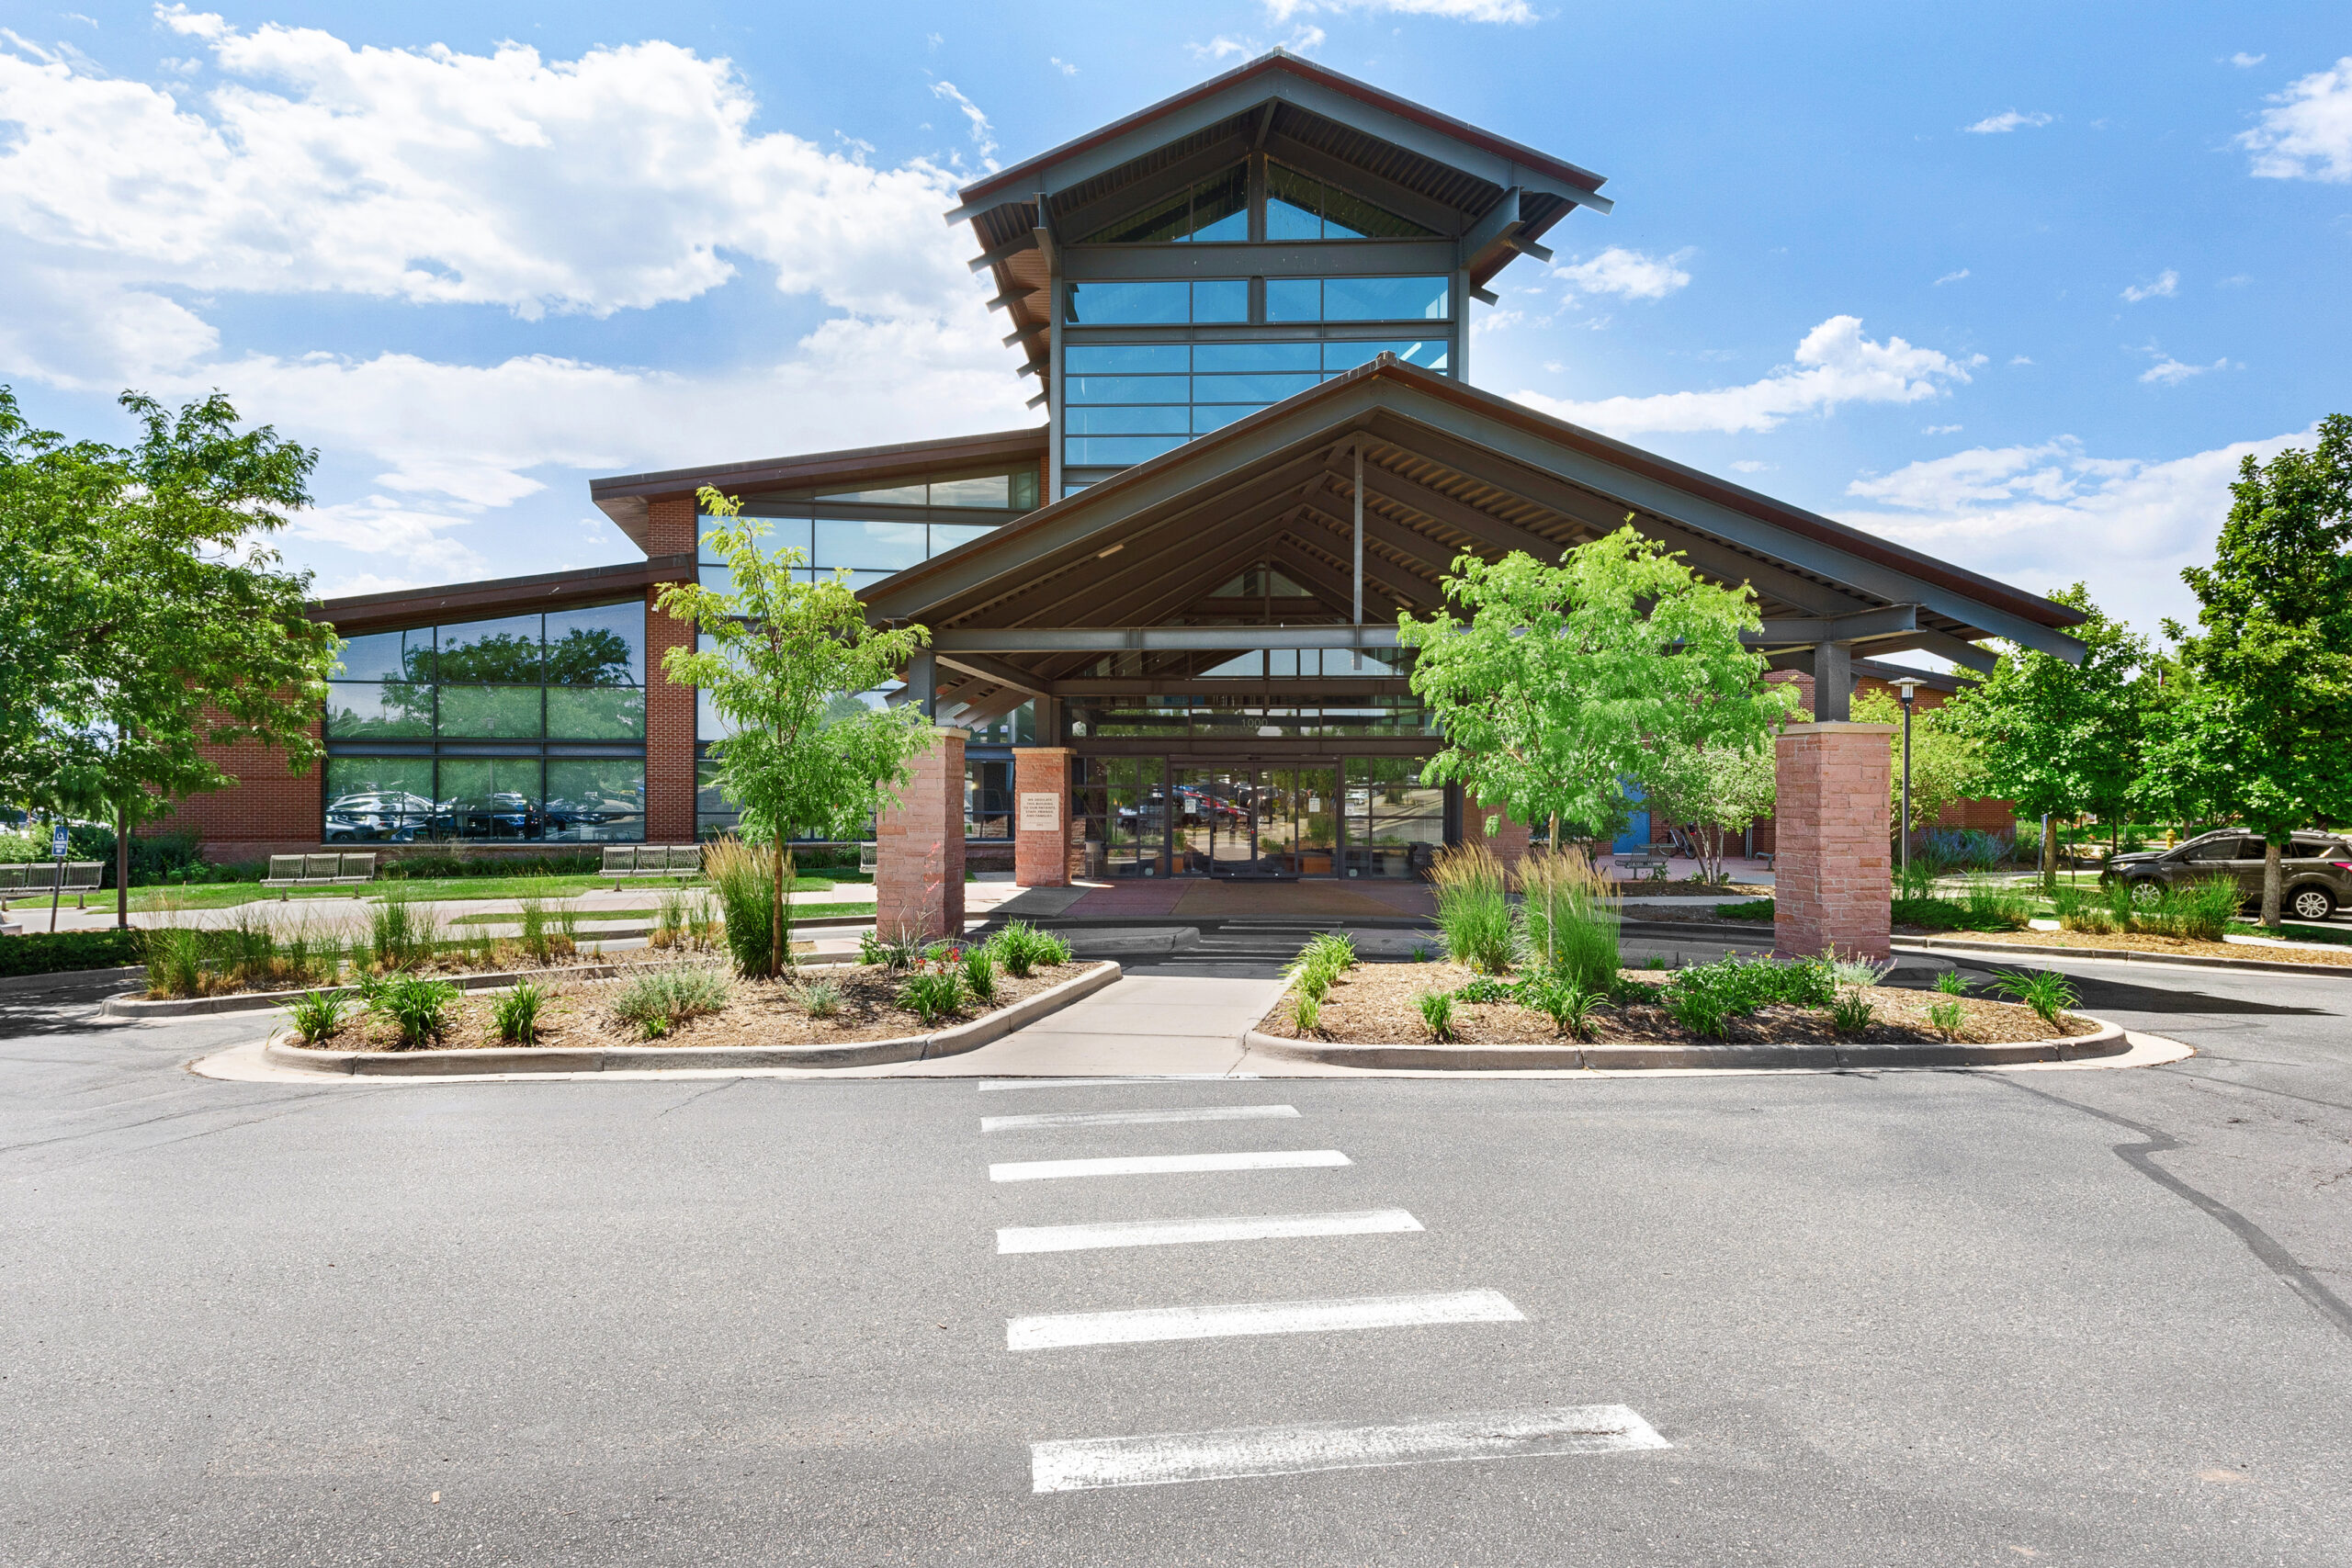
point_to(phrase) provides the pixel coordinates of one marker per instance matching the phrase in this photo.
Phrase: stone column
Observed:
(1041, 848)
(918, 874)
(670, 522)
(1831, 883)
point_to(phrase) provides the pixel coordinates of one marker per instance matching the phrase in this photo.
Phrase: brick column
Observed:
(919, 876)
(669, 708)
(1831, 883)
(1041, 856)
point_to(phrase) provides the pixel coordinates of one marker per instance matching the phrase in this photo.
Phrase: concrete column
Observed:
(1042, 853)
(1831, 881)
(919, 873)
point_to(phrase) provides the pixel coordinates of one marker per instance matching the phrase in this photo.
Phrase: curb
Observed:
(2120, 956)
(59, 980)
(492, 1059)
(2108, 1041)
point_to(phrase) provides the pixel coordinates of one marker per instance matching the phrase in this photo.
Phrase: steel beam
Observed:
(982, 667)
(1158, 639)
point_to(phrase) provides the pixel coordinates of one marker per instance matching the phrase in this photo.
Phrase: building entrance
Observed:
(1242, 821)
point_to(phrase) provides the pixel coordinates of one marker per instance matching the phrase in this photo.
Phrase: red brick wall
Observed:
(268, 811)
(669, 706)
(1832, 883)
(918, 874)
(1510, 839)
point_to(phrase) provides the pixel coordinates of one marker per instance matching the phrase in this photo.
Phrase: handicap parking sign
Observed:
(57, 841)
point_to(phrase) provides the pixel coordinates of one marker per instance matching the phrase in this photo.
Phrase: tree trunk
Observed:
(121, 872)
(2049, 850)
(775, 913)
(2270, 880)
(1555, 831)
(784, 912)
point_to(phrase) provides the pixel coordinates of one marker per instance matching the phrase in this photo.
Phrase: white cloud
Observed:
(1450, 10)
(1304, 39)
(1064, 66)
(1834, 364)
(1750, 466)
(983, 134)
(2007, 121)
(2243, 61)
(2040, 516)
(2166, 284)
(2170, 372)
(1628, 274)
(608, 182)
(2306, 135)
(1939, 430)
(2020, 359)
(1949, 278)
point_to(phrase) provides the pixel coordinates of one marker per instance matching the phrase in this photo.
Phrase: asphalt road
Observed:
(1927, 1318)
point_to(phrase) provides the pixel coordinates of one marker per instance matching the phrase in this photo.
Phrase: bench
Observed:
(680, 861)
(26, 879)
(1653, 867)
(320, 871)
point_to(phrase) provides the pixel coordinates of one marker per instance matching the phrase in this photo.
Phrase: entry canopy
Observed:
(1446, 469)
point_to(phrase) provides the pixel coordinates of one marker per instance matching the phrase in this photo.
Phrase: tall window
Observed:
(1127, 402)
(525, 728)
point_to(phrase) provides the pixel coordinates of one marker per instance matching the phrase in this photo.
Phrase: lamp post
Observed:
(1905, 689)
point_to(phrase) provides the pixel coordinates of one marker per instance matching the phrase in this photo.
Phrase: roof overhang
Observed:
(624, 497)
(1446, 469)
(359, 613)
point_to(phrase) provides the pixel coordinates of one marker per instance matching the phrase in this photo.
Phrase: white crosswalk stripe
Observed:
(1084, 1463)
(1175, 1232)
(1164, 1164)
(1145, 1325)
(991, 1085)
(1138, 1118)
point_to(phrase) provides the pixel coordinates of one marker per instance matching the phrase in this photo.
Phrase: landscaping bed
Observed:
(866, 1003)
(2191, 947)
(1379, 1004)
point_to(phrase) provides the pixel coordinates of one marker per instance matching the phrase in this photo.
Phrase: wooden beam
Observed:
(1006, 252)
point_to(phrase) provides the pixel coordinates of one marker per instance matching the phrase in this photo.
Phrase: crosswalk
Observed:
(1074, 1464)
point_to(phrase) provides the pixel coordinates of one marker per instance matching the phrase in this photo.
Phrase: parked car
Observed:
(391, 814)
(2315, 874)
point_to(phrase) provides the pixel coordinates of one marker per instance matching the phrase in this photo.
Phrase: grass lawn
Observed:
(446, 890)
(510, 918)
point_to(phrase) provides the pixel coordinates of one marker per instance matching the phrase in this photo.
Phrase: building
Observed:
(1163, 620)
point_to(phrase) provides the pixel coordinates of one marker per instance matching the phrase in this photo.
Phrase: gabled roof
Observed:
(1447, 469)
(623, 497)
(1484, 196)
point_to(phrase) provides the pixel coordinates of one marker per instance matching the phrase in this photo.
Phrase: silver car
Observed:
(2314, 881)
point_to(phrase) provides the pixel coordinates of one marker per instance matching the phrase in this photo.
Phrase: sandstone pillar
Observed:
(1041, 849)
(919, 871)
(1831, 879)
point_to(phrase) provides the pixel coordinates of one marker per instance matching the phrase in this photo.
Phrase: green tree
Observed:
(146, 621)
(2261, 727)
(1946, 765)
(784, 655)
(2061, 739)
(1568, 681)
(1719, 789)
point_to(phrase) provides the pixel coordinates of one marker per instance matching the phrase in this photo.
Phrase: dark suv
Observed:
(2314, 876)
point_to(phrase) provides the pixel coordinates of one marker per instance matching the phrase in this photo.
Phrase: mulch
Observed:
(1375, 1004)
(2142, 942)
(758, 1013)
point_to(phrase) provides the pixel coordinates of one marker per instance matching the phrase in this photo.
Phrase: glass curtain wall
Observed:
(523, 727)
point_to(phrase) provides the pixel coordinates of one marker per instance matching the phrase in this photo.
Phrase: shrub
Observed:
(402, 932)
(1053, 952)
(1569, 1006)
(1962, 849)
(1437, 1014)
(317, 1014)
(1335, 950)
(417, 1007)
(517, 1014)
(744, 880)
(174, 962)
(894, 953)
(1947, 1018)
(1996, 906)
(820, 999)
(1952, 983)
(2046, 991)
(1306, 1013)
(1018, 948)
(1482, 988)
(1703, 1012)
(1851, 1013)
(1420, 954)
(1860, 971)
(979, 973)
(1743, 984)
(42, 952)
(1472, 910)
(1753, 909)
(932, 993)
(2200, 912)
(1568, 918)
(655, 1004)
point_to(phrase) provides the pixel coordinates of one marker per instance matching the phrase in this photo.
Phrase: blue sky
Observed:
(2016, 284)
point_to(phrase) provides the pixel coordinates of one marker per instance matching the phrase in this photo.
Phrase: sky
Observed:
(2016, 286)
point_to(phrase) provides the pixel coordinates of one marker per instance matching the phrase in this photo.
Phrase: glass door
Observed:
(1213, 820)
(1298, 819)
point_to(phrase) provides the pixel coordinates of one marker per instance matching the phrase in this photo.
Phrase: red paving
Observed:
(1204, 900)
